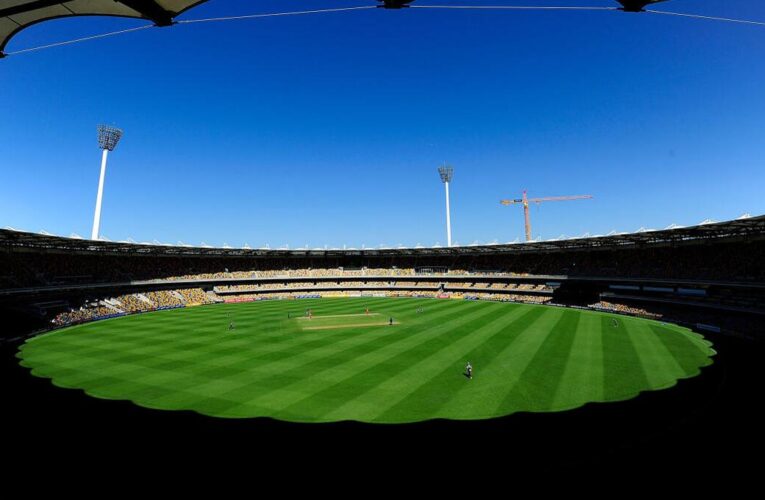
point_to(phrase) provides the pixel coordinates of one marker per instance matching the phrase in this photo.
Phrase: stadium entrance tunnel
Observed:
(578, 293)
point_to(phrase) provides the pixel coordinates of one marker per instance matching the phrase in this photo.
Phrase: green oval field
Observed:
(345, 364)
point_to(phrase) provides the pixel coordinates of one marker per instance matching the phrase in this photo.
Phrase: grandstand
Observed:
(709, 274)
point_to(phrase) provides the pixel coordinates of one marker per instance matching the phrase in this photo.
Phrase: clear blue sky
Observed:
(328, 129)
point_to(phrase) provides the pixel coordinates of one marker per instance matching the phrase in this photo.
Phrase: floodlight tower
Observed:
(446, 172)
(108, 137)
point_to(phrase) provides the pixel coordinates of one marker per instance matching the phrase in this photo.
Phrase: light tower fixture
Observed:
(108, 137)
(447, 172)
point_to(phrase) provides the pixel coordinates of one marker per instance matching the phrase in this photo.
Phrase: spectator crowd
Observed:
(133, 303)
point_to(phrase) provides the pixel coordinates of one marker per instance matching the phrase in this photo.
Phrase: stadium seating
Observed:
(133, 303)
(713, 274)
(723, 261)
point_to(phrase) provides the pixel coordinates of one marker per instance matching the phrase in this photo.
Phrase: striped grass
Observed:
(346, 365)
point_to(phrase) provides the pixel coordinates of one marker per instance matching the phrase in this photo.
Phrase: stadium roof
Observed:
(742, 229)
(15, 15)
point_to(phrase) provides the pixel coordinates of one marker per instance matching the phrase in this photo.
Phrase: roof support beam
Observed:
(28, 6)
(637, 5)
(151, 10)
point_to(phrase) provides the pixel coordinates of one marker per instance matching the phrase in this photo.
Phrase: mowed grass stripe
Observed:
(283, 368)
(187, 359)
(244, 374)
(324, 391)
(688, 349)
(543, 366)
(107, 387)
(117, 350)
(123, 345)
(501, 375)
(497, 376)
(135, 350)
(397, 336)
(171, 330)
(623, 373)
(202, 378)
(660, 366)
(172, 327)
(582, 380)
(450, 386)
(310, 344)
(212, 387)
(423, 369)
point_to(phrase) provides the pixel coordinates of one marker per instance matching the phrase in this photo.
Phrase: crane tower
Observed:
(525, 202)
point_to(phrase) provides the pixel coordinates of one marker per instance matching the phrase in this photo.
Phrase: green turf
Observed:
(344, 365)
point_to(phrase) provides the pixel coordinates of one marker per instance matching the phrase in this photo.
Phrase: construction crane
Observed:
(525, 201)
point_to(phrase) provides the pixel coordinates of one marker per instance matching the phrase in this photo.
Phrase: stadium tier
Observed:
(709, 275)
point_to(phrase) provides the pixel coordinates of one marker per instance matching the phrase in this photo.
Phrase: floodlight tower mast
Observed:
(446, 172)
(108, 137)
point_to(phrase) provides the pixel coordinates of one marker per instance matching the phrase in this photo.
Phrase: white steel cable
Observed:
(711, 18)
(506, 7)
(275, 14)
(77, 40)
(519, 7)
(190, 21)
